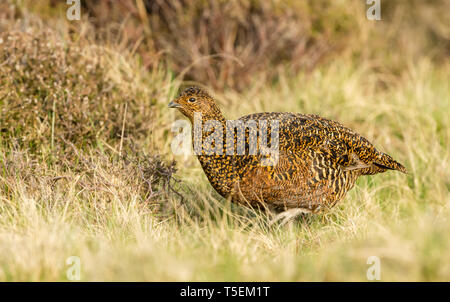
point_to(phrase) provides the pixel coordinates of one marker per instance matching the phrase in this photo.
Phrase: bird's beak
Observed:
(174, 105)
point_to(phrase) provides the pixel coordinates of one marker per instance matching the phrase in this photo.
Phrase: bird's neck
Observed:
(209, 142)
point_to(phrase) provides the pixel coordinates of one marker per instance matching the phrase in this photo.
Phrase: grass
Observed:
(86, 169)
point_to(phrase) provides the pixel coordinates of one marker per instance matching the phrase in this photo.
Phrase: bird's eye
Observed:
(191, 100)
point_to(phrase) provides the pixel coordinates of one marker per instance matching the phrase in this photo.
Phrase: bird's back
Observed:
(315, 162)
(318, 162)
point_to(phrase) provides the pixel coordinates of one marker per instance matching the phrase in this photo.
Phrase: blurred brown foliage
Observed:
(228, 43)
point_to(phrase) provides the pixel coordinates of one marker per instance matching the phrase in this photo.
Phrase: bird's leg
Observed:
(288, 215)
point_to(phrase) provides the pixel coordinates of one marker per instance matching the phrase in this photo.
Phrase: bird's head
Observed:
(195, 100)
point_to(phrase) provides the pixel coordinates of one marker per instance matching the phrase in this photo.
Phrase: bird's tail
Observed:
(385, 161)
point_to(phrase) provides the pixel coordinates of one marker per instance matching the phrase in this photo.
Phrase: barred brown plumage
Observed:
(318, 161)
